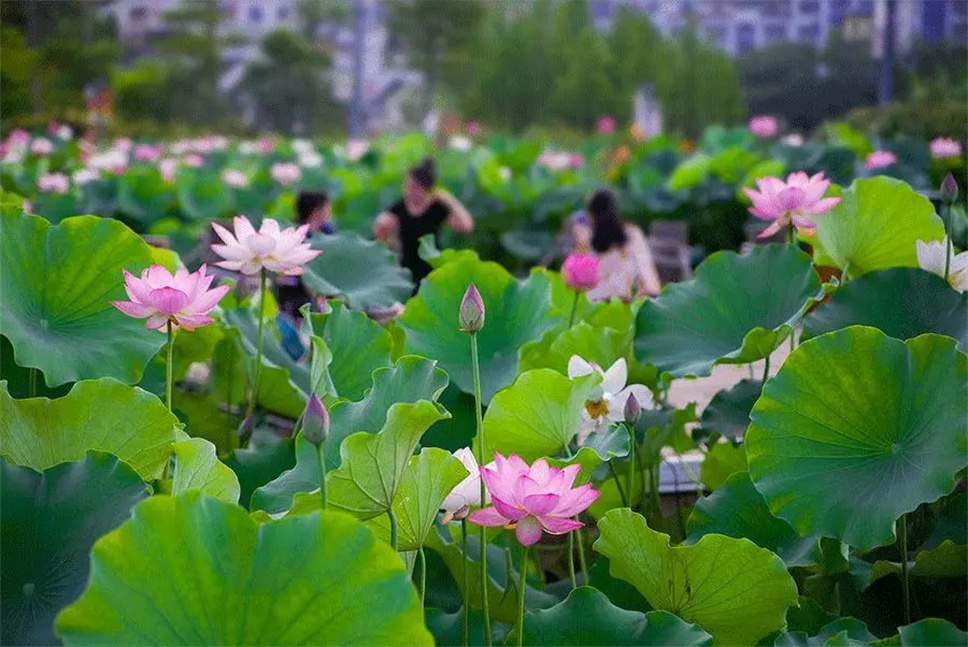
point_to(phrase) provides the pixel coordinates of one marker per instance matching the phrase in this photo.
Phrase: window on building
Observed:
(775, 33)
(809, 6)
(745, 38)
(255, 14)
(809, 32)
(138, 13)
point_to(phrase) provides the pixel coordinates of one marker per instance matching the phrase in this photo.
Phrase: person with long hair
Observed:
(423, 210)
(626, 267)
(315, 209)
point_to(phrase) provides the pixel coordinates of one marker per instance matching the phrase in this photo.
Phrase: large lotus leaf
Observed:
(733, 589)
(410, 380)
(48, 523)
(728, 413)
(277, 363)
(261, 461)
(903, 302)
(363, 271)
(858, 421)
(600, 345)
(538, 415)
(720, 462)
(737, 510)
(358, 344)
(102, 415)
(372, 465)
(944, 561)
(875, 227)
(517, 312)
(198, 468)
(587, 617)
(930, 632)
(19, 378)
(193, 570)
(202, 194)
(842, 631)
(57, 282)
(736, 310)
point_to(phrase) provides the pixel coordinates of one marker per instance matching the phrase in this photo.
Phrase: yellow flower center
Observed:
(596, 408)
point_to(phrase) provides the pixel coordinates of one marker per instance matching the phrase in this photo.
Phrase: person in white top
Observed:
(626, 267)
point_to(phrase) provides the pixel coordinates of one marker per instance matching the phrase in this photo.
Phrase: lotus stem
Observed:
(522, 583)
(581, 558)
(792, 234)
(948, 244)
(574, 309)
(905, 576)
(632, 465)
(618, 485)
(33, 382)
(320, 456)
(257, 369)
(169, 379)
(766, 368)
(476, 366)
(467, 584)
(571, 560)
(423, 574)
(393, 527)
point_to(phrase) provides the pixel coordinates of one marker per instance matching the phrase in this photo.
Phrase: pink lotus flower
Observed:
(473, 128)
(792, 201)
(576, 160)
(285, 173)
(147, 153)
(180, 298)
(879, 159)
(249, 251)
(605, 125)
(18, 138)
(266, 145)
(764, 126)
(166, 168)
(193, 160)
(235, 179)
(580, 271)
(28, 206)
(52, 127)
(945, 147)
(53, 183)
(41, 146)
(533, 499)
(122, 144)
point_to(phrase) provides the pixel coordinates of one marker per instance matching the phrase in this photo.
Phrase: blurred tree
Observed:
(637, 57)
(141, 92)
(585, 66)
(20, 64)
(435, 32)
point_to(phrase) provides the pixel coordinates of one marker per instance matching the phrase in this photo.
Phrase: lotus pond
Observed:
(180, 466)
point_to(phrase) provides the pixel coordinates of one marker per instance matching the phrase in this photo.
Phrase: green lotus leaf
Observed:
(358, 344)
(517, 312)
(204, 418)
(856, 420)
(538, 415)
(931, 632)
(372, 466)
(428, 251)
(19, 378)
(875, 227)
(57, 285)
(728, 413)
(102, 415)
(410, 380)
(48, 523)
(903, 302)
(587, 617)
(263, 460)
(722, 461)
(842, 631)
(363, 271)
(736, 310)
(169, 577)
(198, 468)
(599, 345)
(201, 194)
(944, 561)
(737, 510)
(733, 589)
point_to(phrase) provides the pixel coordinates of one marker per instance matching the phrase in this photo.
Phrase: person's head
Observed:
(608, 230)
(420, 181)
(313, 208)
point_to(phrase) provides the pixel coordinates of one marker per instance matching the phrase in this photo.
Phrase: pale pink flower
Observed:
(52, 127)
(764, 126)
(249, 251)
(467, 493)
(28, 206)
(18, 138)
(576, 160)
(533, 499)
(285, 173)
(792, 201)
(932, 256)
(235, 179)
(181, 298)
(608, 403)
(945, 147)
(41, 146)
(266, 145)
(580, 271)
(193, 160)
(879, 159)
(473, 128)
(146, 153)
(84, 176)
(122, 144)
(605, 125)
(167, 168)
(356, 148)
(53, 183)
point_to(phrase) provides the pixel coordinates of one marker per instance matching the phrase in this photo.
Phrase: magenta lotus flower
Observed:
(533, 499)
(53, 183)
(580, 271)
(792, 201)
(473, 128)
(605, 125)
(18, 138)
(283, 251)
(879, 159)
(945, 147)
(180, 298)
(764, 126)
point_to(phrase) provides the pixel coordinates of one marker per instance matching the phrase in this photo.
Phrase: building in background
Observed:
(740, 26)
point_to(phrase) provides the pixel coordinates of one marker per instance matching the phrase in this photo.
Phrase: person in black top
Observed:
(422, 211)
(313, 208)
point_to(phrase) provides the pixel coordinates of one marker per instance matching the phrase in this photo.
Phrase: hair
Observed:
(424, 173)
(307, 202)
(608, 230)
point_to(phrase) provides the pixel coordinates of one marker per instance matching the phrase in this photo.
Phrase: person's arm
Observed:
(385, 225)
(460, 219)
(649, 282)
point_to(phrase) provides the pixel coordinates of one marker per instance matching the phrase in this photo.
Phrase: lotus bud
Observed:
(632, 409)
(949, 189)
(315, 424)
(580, 271)
(471, 315)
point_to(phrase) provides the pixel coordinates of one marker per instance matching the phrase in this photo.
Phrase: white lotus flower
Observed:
(505, 173)
(932, 256)
(467, 493)
(84, 176)
(283, 251)
(310, 159)
(611, 397)
(460, 143)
